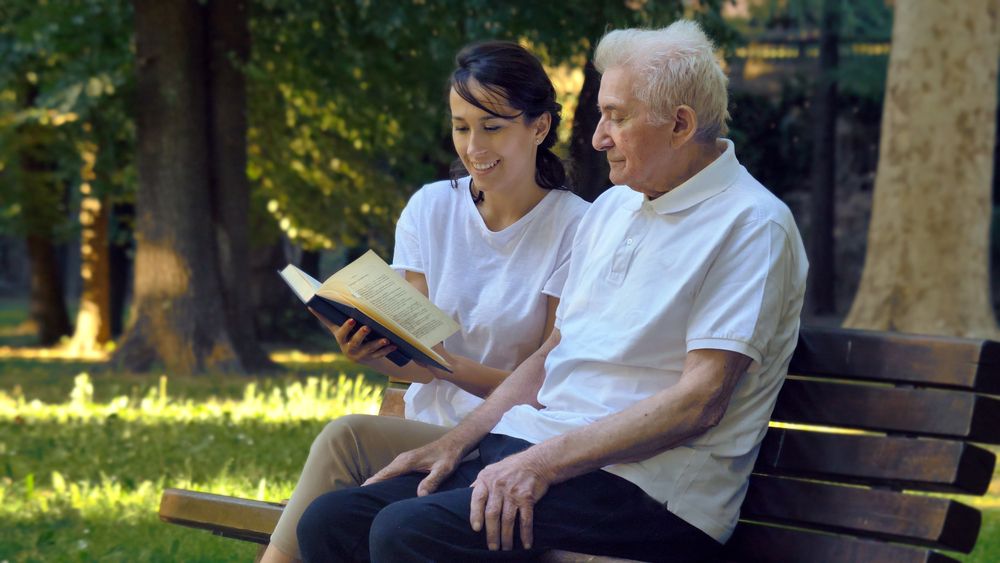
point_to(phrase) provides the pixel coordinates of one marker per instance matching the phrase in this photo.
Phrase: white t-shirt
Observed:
(716, 263)
(494, 284)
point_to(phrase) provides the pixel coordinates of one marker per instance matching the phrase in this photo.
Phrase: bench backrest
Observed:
(866, 424)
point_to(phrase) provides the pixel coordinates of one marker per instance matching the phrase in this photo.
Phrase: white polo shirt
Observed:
(716, 263)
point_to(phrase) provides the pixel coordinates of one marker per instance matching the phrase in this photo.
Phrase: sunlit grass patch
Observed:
(315, 398)
(80, 479)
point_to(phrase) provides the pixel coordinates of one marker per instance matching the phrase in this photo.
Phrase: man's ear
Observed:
(685, 125)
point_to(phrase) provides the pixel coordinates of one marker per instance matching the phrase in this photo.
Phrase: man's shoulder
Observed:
(752, 202)
(614, 197)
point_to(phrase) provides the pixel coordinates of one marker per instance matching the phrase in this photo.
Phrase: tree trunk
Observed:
(588, 168)
(180, 318)
(821, 248)
(93, 320)
(120, 263)
(309, 262)
(276, 308)
(229, 48)
(40, 196)
(926, 269)
(48, 307)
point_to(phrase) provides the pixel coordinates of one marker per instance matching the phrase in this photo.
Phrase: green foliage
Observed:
(348, 105)
(346, 101)
(66, 76)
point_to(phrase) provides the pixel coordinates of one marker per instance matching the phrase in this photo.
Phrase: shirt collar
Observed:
(711, 180)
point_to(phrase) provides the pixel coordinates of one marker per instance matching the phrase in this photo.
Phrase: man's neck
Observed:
(697, 157)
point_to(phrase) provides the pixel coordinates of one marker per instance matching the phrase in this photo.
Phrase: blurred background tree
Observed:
(65, 137)
(927, 266)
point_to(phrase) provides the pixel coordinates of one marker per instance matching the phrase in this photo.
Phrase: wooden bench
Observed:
(865, 426)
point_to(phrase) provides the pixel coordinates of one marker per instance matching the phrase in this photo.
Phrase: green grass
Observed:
(80, 478)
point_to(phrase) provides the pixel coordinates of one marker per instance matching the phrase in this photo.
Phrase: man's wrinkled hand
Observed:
(504, 494)
(438, 459)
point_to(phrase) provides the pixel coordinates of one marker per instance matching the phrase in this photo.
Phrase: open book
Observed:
(370, 292)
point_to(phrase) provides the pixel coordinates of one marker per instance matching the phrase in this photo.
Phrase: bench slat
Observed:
(914, 519)
(904, 410)
(392, 402)
(756, 543)
(887, 461)
(238, 518)
(904, 358)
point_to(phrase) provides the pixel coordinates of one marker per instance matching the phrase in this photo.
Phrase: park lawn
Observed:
(80, 478)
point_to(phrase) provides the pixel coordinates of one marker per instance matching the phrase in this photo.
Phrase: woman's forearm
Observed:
(472, 376)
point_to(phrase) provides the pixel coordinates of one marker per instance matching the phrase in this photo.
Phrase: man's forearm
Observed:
(663, 421)
(520, 387)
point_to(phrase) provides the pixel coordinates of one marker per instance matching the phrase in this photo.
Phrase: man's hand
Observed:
(438, 459)
(503, 491)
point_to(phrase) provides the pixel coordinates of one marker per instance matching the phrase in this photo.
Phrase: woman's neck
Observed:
(503, 208)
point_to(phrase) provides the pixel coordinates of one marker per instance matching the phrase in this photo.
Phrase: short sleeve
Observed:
(557, 280)
(572, 246)
(742, 297)
(407, 256)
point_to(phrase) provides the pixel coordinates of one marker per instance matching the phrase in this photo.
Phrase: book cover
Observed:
(371, 293)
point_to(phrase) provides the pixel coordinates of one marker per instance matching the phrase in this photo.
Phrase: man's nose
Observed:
(601, 140)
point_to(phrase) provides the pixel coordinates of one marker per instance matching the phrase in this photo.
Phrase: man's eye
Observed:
(492, 127)
(460, 128)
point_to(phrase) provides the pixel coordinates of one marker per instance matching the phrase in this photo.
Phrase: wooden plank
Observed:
(904, 410)
(758, 543)
(906, 518)
(558, 556)
(392, 402)
(887, 461)
(894, 357)
(239, 518)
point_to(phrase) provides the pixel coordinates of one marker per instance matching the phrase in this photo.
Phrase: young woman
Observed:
(490, 247)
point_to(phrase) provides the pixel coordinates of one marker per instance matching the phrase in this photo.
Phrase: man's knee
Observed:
(327, 524)
(400, 531)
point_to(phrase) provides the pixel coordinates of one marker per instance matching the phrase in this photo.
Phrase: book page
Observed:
(304, 285)
(373, 283)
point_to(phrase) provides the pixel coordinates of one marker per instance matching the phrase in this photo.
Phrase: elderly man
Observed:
(633, 430)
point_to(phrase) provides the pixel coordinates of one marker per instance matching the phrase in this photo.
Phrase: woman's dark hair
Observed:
(508, 71)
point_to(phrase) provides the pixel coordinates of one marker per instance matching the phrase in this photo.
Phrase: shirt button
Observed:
(628, 242)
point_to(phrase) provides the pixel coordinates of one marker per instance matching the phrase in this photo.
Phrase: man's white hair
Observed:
(674, 65)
